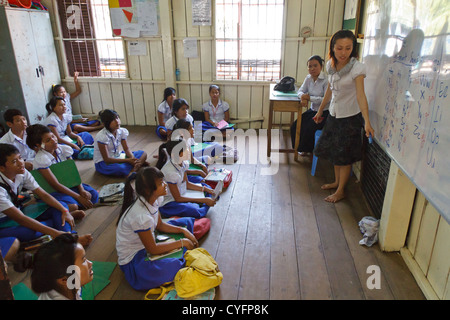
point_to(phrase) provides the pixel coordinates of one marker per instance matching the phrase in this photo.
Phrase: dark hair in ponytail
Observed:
(145, 186)
(177, 104)
(49, 263)
(168, 146)
(35, 133)
(107, 116)
(168, 92)
(342, 34)
(52, 103)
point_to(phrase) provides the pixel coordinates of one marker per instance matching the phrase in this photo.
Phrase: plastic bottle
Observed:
(177, 74)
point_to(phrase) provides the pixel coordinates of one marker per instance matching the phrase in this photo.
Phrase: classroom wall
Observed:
(137, 97)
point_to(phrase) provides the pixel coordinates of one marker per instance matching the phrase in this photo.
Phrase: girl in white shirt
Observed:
(165, 112)
(59, 123)
(341, 140)
(173, 161)
(49, 152)
(60, 91)
(136, 238)
(108, 158)
(215, 110)
(180, 110)
(59, 268)
(312, 90)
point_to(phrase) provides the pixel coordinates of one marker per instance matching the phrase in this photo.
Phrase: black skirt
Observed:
(341, 140)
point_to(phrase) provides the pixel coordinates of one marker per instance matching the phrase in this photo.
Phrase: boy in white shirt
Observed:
(17, 135)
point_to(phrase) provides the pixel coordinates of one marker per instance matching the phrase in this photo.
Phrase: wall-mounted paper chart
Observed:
(134, 18)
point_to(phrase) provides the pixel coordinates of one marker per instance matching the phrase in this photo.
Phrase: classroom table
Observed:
(280, 102)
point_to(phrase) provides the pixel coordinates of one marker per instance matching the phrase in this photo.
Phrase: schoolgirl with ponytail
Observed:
(135, 234)
(58, 122)
(173, 160)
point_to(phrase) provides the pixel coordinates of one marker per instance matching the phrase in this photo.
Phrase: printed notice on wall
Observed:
(134, 18)
(201, 12)
(190, 48)
(137, 48)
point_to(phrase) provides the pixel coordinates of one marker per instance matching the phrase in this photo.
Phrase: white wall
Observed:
(137, 97)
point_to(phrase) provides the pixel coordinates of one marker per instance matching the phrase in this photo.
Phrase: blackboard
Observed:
(406, 52)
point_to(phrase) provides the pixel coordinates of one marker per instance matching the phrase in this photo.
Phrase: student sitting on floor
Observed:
(47, 217)
(108, 158)
(165, 112)
(180, 109)
(135, 235)
(173, 161)
(59, 123)
(49, 152)
(215, 110)
(17, 135)
(60, 91)
(51, 273)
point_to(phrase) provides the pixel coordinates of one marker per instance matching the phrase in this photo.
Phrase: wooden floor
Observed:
(273, 236)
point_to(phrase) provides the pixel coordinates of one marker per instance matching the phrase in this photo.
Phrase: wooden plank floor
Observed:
(273, 236)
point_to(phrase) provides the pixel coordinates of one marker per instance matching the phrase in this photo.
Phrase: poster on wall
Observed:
(201, 12)
(134, 18)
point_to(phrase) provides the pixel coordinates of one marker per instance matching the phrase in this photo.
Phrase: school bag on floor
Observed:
(216, 175)
(200, 274)
(111, 194)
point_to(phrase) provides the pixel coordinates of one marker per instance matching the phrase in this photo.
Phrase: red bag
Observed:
(201, 227)
(214, 174)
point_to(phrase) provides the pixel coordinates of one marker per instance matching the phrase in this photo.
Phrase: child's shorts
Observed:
(61, 197)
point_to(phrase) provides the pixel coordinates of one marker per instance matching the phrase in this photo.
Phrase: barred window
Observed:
(89, 45)
(249, 39)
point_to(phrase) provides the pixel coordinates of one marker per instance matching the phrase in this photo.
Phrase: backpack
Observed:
(286, 84)
(86, 153)
(200, 274)
(111, 194)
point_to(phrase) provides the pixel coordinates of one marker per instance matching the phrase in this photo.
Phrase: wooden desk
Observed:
(284, 104)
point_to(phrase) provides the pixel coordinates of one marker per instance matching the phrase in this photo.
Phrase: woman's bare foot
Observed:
(328, 186)
(78, 214)
(335, 197)
(85, 240)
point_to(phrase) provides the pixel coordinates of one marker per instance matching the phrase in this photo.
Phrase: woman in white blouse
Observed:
(312, 90)
(341, 139)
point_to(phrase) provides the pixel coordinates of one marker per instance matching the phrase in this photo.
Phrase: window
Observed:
(249, 39)
(89, 45)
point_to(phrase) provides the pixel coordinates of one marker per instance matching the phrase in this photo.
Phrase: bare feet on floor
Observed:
(328, 186)
(78, 214)
(85, 240)
(335, 197)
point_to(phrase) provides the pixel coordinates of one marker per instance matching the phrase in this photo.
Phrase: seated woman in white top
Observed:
(136, 235)
(173, 161)
(165, 112)
(215, 111)
(59, 123)
(60, 91)
(54, 266)
(180, 109)
(312, 90)
(49, 152)
(108, 158)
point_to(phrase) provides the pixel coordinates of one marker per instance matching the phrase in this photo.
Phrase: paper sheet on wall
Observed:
(137, 48)
(190, 48)
(201, 12)
(134, 18)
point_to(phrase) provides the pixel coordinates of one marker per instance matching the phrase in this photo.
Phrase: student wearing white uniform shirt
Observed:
(60, 91)
(49, 152)
(341, 139)
(135, 235)
(52, 275)
(17, 135)
(178, 202)
(59, 123)
(180, 109)
(165, 112)
(312, 90)
(215, 110)
(48, 216)
(108, 157)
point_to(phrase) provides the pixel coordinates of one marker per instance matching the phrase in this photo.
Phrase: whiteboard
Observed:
(406, 52)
